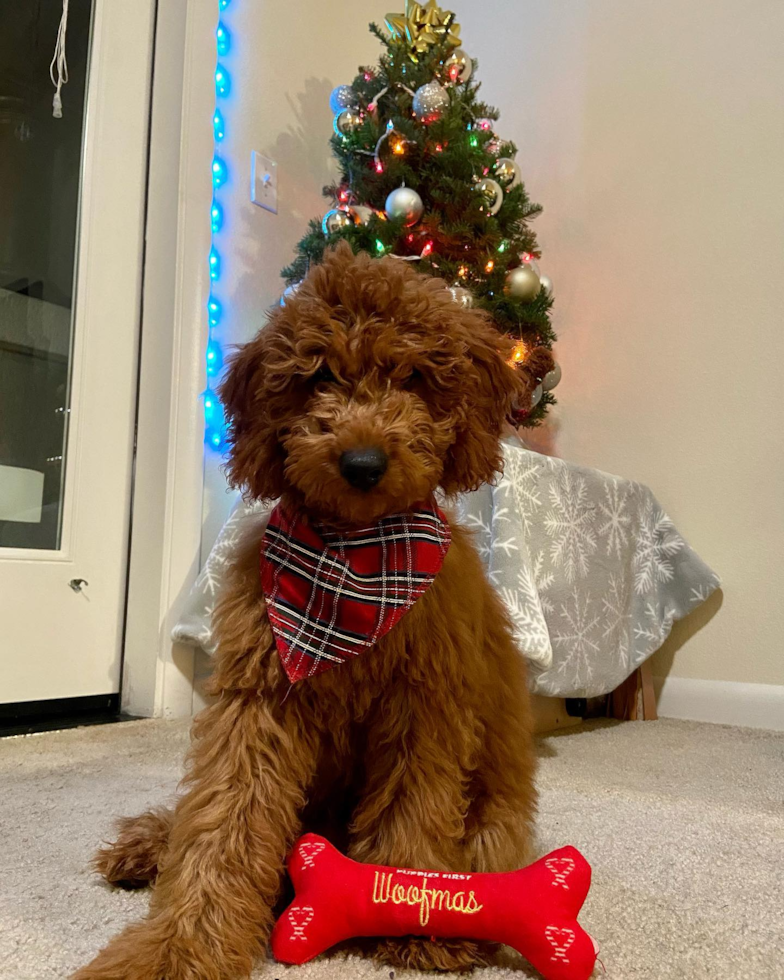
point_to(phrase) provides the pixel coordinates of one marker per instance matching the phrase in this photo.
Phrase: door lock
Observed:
(77, 583)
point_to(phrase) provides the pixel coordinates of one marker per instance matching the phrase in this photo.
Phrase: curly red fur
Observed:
(418, 752)
(131, 861)
(368, 352)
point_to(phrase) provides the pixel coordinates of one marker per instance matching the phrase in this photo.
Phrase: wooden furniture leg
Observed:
(649, 712)
(635, 699)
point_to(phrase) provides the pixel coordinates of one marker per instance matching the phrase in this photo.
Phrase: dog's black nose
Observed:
(363, 468)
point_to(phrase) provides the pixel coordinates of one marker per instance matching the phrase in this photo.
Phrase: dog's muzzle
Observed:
(363, 468)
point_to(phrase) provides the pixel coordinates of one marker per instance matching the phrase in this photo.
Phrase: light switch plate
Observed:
(264, 182)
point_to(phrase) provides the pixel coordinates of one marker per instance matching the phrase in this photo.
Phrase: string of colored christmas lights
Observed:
(214, 423)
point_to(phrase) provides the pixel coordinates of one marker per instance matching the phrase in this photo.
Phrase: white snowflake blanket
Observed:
(590, 567)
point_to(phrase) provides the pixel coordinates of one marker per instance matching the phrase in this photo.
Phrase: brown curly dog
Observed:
(418, 752)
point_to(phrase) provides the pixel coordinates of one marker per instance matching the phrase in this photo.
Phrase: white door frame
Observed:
(166, 517)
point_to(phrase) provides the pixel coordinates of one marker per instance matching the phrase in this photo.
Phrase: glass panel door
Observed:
(40, 165)
(72, 209)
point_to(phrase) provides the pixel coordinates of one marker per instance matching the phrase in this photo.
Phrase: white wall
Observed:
(653, 135)
(285, 60)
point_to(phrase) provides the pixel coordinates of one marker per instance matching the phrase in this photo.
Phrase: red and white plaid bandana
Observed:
(330, 595)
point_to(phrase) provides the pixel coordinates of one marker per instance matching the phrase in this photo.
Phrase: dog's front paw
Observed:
(415, 953)
(132, 860)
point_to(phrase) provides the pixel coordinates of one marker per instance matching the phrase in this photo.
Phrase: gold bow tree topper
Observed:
(420, 27)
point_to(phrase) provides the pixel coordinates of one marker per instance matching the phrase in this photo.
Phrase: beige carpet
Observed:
(682, 822)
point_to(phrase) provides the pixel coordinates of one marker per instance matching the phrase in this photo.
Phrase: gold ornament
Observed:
(507, 172)
(492, 195)
(522, 283)
(334, 220)
(346, 121)
(420, 27)
(458, 66)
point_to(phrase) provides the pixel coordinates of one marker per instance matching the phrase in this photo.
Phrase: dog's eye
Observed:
(322, 376)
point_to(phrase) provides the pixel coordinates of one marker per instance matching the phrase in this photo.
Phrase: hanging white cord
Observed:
(59, 64)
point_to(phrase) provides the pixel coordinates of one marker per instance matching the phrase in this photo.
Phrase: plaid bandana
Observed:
(330, 595)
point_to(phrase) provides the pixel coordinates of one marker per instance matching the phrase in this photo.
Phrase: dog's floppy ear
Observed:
(256, 459)
(492, 389)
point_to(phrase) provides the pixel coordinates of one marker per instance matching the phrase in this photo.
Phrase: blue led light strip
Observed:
(214, 422)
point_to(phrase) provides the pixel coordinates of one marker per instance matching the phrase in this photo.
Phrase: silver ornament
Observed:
(547, 285)
(483, 124)
(552, 378)
(430, 100)
(405, 203)
(288, 292)
(493, 145)
(492, 195)
(334, 220)
(507, 172)
(346, 121)
(458, 66)
(361, 213)
(522, 283)
(536, 396)
(343, 97)
(462, 296)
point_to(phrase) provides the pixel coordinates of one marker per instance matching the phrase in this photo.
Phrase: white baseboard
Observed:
(721, 702)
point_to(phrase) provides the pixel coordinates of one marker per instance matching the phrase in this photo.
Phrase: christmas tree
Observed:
(425, 178)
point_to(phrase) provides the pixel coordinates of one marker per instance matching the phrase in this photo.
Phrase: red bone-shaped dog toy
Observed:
(533, 910)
